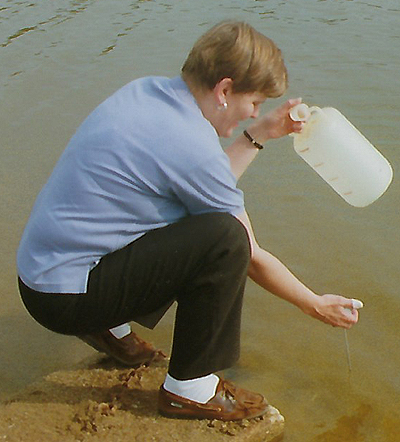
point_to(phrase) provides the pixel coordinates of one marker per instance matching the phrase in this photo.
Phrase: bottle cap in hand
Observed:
(357, 304)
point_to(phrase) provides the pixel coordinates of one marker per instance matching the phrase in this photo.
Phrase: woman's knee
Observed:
(231, 234)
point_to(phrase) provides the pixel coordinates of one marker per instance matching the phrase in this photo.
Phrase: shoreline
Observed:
(99, 400)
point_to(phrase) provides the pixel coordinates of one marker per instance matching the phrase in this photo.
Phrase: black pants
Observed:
(201, 262)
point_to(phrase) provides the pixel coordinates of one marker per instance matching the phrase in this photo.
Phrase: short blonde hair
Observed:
(236, 50)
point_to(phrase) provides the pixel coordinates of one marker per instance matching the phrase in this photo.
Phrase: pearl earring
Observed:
(223, 106)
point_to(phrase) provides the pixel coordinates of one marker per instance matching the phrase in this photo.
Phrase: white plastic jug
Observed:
(341, 155)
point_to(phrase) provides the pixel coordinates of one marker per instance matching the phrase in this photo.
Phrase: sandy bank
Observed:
(101, 401)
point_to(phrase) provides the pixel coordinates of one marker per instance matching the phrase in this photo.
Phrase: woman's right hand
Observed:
(334, 310)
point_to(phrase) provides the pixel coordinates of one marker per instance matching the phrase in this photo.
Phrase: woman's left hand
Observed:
(277, 123)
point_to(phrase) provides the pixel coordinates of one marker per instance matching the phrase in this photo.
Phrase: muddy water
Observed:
(59, 59)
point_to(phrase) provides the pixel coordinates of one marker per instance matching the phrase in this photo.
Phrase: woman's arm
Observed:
(265, 269)
(272, 275)
(274, 124)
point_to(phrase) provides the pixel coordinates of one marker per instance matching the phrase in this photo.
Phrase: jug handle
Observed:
(315, 110)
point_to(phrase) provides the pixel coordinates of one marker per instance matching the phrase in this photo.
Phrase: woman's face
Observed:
(240, 107)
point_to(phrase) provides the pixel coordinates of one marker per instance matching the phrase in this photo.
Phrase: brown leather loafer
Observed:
(229, 403)
(130, 350)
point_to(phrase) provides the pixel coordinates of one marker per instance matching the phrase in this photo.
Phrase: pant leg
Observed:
(208, 318)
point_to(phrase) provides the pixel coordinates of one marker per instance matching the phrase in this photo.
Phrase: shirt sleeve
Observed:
(209, 186)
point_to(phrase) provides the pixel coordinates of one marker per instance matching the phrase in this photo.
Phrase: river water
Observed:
(59, 59)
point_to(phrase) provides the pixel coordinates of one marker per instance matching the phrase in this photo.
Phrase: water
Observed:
(59, 59)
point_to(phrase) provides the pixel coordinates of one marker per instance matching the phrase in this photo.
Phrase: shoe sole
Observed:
(193, 415)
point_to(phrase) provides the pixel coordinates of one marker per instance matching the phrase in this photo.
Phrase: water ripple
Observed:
(38, 20)
(18, 34)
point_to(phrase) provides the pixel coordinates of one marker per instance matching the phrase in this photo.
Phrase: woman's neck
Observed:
(206, 101)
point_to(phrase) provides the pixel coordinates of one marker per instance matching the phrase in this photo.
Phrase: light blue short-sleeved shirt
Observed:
(144, 158)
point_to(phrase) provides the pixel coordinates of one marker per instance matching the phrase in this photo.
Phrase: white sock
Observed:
(199, 390)
(121, 331)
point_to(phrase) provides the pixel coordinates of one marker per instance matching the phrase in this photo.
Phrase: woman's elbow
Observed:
(254, 260)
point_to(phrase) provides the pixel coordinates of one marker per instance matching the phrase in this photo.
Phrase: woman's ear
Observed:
(222, 90)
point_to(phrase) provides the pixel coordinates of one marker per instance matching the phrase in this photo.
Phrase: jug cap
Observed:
(300, 112)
